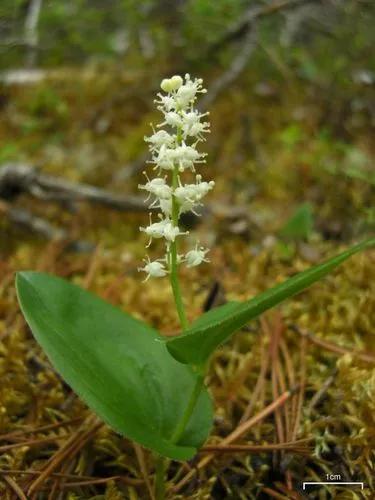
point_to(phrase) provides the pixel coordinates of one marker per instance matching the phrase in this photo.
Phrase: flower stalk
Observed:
(173, 260)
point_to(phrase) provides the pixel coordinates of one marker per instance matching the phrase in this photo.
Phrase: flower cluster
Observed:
(174, 151)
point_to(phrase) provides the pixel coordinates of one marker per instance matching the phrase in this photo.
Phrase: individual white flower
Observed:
(186, 156)
(193, 127)
(165, 206)
(188, 206)
(196, 256)
(154, 269)
(171, 84)
(166, 103)
(155, 230)
(165, 158)
(173, 119)
(193, 192)
(186, 94)
(203, 187)
(158, 187)
(163, 229)
(171, 232)
(185, 193)
(160, 138)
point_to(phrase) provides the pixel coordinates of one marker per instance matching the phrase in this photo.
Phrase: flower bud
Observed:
(171, 84)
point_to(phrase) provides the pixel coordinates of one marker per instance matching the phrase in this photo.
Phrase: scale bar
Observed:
(357, 483)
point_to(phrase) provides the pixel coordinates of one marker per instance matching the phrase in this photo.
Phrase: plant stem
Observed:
(176, 286)
(162, 462)
(181, 426)
(160, 470)
(173, 260)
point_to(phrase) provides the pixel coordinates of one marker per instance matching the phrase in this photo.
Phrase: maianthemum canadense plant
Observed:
(145, 386)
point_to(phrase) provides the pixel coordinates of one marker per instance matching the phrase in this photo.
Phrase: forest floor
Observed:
(274, 151)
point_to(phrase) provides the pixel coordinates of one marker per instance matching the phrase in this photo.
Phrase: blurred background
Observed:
(291, 95)
(292, 109)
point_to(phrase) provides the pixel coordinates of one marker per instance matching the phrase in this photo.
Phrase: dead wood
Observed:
(240, 28)
(16, 179)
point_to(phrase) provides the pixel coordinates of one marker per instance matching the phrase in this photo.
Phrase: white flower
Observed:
(196, 257)
(165, 158)
(163, 229)
(174, 150)
(167, 103)
(203, 187)
(173, 119)
(188, 206)
(158, 187)
(193, 192)
(155, 269)
(192, 126)
(166, 206)
(185, 157)
(186, 93)
(185, 193)
(160, 138)
(155, 230)
(171, 232)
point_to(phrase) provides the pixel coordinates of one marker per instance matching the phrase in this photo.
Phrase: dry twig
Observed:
(329, 346)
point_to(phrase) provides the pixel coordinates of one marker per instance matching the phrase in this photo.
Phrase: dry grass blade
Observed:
(320, 394)
(275, 336)
(15, 487)
(274, 494)
(363, 356)
(301, 391)
(72, 446)
(77, 478)
(31, 442)
(143, 467)
(103, 480)
(295, 446)
(259, 386)
(36, 430)
(236, 434)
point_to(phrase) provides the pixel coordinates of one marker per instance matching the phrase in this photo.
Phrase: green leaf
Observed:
(300, 225)
(195, 345)
(117, 364)
(216, 314)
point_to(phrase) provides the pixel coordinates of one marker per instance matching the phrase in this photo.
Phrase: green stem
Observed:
(173, 253)
(181, 426)
(162, 463)
(160, 470)
(176, 286)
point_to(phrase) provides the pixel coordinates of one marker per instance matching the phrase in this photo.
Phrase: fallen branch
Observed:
(16, 179)
(235, 69)
(31, 222)
(239, 29)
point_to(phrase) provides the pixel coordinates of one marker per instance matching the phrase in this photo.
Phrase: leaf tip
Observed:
(22, 277)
